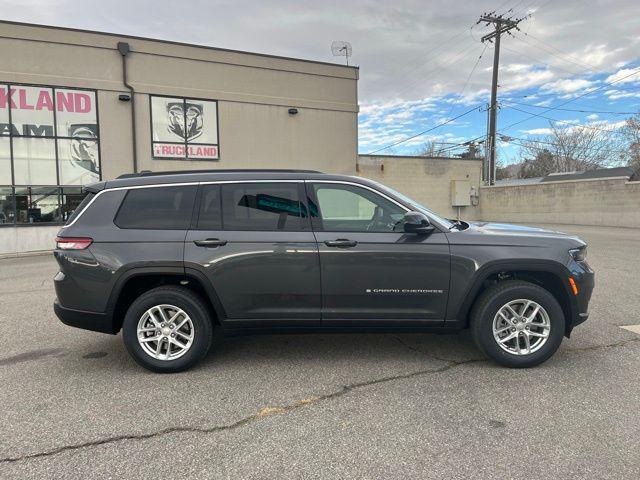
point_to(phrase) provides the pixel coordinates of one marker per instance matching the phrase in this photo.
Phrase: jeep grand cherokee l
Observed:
(165, 257)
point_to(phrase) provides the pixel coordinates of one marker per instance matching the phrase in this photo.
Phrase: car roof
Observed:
(195, 176)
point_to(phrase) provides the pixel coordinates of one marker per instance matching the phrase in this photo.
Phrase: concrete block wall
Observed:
(424, 179)
(608, 202)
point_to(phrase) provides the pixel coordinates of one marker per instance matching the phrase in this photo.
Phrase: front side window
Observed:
(263, 206)
(348, 208)
(157, 208)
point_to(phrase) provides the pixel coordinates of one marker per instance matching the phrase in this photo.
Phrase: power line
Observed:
(425, 131)
(573, 109)
(565, 56)
(555, 107)
(468, 78)
(590, 127)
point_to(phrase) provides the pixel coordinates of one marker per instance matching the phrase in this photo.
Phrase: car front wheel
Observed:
(517, 324)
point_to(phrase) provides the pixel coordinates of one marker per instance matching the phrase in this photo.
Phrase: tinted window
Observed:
(262, 206)
(74, 211)
(347, 208)
(158, 208)
(210, 215)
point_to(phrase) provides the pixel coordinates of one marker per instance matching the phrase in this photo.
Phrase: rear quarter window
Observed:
(157, 208)
(81, 206)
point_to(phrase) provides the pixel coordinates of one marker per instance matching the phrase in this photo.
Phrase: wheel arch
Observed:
(134, 282)
(550, 275)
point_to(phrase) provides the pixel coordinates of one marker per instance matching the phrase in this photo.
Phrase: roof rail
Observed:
(149, 173)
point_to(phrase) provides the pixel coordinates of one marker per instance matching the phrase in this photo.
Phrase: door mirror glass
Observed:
(417, 223)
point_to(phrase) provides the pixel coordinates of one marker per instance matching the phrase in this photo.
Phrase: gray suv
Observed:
(165, 257)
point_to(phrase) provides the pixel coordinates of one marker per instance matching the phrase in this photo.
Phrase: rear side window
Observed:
(157, 208)
(263, 206)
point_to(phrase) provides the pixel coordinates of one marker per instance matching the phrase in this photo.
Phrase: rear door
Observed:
(372, 272)
(253, 241)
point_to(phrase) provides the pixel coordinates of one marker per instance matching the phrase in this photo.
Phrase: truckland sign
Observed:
(184, 128)
(51, 130)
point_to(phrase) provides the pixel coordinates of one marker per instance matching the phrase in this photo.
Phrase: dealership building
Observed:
(79, 106)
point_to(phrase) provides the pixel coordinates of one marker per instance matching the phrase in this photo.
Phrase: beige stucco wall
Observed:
(426, 180)
(609, 202)
(254, 93)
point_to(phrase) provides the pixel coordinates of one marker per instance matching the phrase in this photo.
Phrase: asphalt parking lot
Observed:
(74, 405)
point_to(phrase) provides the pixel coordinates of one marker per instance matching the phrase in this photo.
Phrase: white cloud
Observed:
(625, 75)
(537, 131)
(593, 116)
(567, 85)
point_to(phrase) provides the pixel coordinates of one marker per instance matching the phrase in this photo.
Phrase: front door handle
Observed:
(341, 243)
(210, 242)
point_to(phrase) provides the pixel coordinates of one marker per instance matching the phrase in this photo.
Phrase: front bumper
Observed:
(96, 322)
(585, 281)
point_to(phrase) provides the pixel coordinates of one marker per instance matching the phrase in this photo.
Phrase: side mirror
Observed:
(417, 223)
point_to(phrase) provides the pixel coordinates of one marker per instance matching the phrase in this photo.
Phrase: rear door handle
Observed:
(210, 242)
(341, 243)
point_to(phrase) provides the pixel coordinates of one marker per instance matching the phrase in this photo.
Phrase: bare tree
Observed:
(428, 149)
(568, 149)
(631, 134)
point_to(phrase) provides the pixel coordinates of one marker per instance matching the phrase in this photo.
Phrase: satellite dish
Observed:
(341, 48)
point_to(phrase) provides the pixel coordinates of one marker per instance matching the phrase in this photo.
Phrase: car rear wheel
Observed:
(167, 329)
(517, 324)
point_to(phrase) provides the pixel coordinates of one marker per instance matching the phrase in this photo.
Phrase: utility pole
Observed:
(501, 25)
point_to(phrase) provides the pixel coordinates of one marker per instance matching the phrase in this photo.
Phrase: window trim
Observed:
(435, 223)
(186, 143)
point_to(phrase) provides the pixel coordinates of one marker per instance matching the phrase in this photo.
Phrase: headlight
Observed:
(578, 254)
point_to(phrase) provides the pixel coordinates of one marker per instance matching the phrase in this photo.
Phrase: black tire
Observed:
(489, 303)
(192, 305)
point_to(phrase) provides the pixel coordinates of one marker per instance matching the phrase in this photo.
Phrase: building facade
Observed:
(77, 107)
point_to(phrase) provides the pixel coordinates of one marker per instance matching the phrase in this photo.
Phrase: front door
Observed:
(371, 271)
(254, 243)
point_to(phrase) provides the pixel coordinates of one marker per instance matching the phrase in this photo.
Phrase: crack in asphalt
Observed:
(277, 410)
(261, 414)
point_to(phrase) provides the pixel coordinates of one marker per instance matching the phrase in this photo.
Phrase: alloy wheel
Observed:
(165, 332)
(521, 327)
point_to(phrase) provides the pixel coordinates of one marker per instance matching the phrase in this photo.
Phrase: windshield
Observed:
(417, 207)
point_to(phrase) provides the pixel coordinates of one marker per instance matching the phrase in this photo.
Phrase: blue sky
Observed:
(419, 60)
(385, 123)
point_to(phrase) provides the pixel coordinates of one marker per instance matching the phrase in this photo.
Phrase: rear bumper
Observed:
(96, 322)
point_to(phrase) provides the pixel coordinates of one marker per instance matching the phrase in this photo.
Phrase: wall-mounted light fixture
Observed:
(123, 97)
(293, 111)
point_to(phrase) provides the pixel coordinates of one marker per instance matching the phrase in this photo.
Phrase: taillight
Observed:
(73, 243)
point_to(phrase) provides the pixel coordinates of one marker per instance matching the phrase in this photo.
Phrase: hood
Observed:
(506, 230)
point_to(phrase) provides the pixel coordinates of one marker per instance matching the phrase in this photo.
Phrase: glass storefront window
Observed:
(6, 205)
(76, 113)
(32, 110)
(78, 161)
(5, 161)
(4, 110)
(34, 161)
(49, 149)
(38, 205)
(70, 199)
